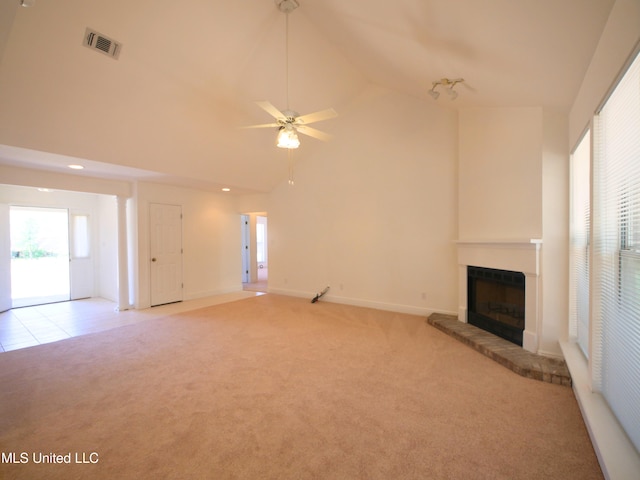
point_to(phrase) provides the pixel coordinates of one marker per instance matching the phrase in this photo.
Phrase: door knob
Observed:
(153, 259)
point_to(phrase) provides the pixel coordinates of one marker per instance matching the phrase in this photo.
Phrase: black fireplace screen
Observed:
(496, 302)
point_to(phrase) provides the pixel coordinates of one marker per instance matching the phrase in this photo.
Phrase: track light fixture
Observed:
(446, 84)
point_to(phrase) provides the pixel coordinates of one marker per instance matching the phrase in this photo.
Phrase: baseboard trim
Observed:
(356, 302)
(210, 293)
(550, 354)
(193, 296)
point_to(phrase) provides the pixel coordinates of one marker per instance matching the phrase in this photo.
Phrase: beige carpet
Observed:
(274, 387)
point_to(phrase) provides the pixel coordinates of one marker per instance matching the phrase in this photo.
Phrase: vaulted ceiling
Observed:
(189, 73)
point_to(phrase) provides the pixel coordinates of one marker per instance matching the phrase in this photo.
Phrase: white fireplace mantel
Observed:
(519, 255)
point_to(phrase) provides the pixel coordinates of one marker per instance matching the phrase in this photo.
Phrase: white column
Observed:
(123, 261)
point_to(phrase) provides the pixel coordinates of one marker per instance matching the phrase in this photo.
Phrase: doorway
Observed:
(261, 249)
(39, 239)
(254, 252)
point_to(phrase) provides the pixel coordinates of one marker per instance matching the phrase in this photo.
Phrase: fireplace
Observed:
(522, 255)
(496, 302)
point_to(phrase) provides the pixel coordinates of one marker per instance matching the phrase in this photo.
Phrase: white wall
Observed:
(372, 213)
(555, 234)
(619, 39)
(251, 203)
(7, 14)
(211, 233)
(500, 173)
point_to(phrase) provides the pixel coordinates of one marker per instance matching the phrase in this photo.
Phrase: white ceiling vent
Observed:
(101, 43)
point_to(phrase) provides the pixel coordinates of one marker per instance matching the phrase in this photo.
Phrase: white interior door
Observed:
(80, 256)
(166, 253)
(5, 259)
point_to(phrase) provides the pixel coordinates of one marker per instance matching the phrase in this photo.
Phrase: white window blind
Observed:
(580, 225)
(616, 250)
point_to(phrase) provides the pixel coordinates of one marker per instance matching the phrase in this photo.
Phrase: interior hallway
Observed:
(260, 285)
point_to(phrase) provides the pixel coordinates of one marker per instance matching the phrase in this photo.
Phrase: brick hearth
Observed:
(504, 352)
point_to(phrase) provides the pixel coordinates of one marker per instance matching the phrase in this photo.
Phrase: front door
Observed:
(39, 255)
(166, 253)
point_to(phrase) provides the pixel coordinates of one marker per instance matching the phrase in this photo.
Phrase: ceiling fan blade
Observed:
(271, 110)
(317, 116)
(312, 132)
(263, 125)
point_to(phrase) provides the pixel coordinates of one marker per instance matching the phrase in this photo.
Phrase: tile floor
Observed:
(29, 326)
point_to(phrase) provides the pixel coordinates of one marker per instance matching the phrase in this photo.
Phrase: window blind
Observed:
(616, 252)
(579, 255)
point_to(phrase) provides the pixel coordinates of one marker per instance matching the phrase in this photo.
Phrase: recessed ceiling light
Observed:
(75, 167)
(44, 190)
(226, 189)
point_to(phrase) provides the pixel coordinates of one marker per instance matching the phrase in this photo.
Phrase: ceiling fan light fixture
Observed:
(287, 137)
(288, 122)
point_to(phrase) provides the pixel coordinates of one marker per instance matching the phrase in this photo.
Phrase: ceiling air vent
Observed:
(101, 43)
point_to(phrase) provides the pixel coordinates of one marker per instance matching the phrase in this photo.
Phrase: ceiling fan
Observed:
(289, 122)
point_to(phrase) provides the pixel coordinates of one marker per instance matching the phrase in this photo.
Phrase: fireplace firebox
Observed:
(496, 302)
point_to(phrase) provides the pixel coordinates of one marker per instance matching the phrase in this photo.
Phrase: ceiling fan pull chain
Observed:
(291, 182)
